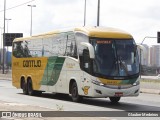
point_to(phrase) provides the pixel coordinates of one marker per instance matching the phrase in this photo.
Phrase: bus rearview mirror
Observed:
(90, 48)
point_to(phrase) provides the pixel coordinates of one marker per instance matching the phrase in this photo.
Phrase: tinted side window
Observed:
(18, 49)
(33, 48)
(71, 48)
(63, 44)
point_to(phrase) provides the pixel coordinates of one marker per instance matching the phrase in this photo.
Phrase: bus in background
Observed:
(82, 62)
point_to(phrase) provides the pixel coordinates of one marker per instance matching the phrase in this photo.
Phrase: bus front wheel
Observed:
(74, 93)
(114, 99)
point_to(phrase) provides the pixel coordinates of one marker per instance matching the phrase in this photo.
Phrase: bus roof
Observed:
(104, 32)
(99, 32)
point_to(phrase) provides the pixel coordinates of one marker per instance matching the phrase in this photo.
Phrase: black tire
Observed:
(38, 93)
(74, 93)
(24, 87)
(114, 99)
(30, 88)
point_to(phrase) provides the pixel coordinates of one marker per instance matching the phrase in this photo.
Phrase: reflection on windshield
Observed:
(115, 57)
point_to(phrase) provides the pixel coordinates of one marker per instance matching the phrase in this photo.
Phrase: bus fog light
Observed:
(136, 91)
(98, 91)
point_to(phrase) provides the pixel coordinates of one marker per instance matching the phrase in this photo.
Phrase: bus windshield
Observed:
(115, 58)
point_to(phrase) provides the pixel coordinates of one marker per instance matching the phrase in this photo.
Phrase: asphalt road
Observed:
(144, 102)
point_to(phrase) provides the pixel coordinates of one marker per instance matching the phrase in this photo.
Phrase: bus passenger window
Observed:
(18, 50)
(71, 48)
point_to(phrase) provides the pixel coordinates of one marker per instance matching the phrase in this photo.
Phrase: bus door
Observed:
(86, 66)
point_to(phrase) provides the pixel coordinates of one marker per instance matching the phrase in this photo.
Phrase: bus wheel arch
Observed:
(70, 85)
(73, 90)
(23, 85)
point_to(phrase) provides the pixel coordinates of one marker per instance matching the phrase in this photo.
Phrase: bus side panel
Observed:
(17, 72)
(61, 85)
(52, 73)
(73, 72)
(16, 78)
(32, 68)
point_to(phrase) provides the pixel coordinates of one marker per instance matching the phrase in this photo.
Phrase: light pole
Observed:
(31, 18)
(7, 23)
(98, 12)
(7, 46)
(1, 36)
(4, 35)
(85, 13)
(1, 42)
(145, 38)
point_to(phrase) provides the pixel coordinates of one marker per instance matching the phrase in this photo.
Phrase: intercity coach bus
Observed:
(82, 62)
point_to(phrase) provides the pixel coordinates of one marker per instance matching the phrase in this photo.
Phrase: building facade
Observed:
(155, 55)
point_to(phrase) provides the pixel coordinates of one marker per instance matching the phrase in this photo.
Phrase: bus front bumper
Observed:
(103, 91)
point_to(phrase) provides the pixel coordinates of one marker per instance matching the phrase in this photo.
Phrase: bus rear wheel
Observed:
(114, 99)
(24, 87)
(31, 91)
(74, 93)
(30, 88)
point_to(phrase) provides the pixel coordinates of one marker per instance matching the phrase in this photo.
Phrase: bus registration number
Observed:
(118, 94)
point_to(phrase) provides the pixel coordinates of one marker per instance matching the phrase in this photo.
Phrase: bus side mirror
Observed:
(90, 48)
(86, 58)
(86, 63)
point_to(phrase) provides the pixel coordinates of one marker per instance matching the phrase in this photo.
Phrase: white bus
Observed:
(82, 62)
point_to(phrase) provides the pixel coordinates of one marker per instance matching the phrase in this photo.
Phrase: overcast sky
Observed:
(141, 18)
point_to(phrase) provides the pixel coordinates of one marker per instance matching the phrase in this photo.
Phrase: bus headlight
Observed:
(136, 83)
(97, 82)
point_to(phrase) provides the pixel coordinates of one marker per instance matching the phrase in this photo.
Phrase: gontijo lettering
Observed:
(32, 63)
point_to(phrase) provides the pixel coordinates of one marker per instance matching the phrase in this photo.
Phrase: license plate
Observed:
(118, 94)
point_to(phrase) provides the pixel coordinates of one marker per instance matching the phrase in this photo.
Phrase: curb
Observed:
(4, 78)
(150, 91)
